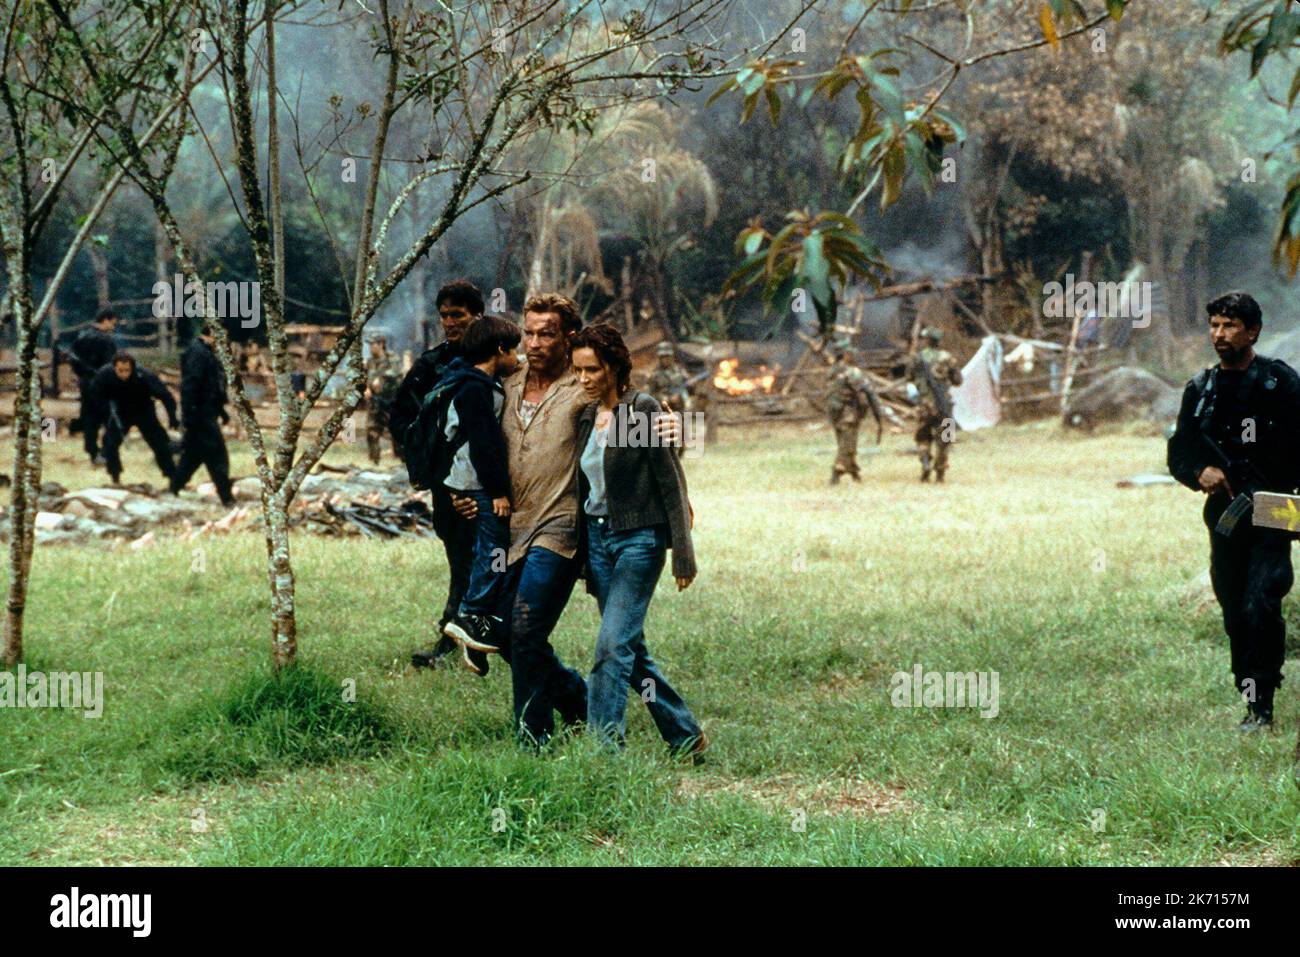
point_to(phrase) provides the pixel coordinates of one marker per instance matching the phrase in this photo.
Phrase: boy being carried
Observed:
(478, 470)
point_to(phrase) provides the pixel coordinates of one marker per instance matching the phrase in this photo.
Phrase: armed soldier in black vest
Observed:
(1238, 433)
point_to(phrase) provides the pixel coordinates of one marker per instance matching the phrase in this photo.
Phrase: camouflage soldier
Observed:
(849, 399)
(932, 372)
(383, 376)
(669, 382)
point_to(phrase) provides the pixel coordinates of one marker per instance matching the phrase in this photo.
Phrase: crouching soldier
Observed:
(122, 397)
(203, 406)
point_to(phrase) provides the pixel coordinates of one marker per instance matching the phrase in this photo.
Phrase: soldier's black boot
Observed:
(1259, 717)
(938, 475)
(925, 475)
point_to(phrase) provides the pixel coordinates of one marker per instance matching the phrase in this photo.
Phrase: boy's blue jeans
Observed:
(487, 570)
(625, 568)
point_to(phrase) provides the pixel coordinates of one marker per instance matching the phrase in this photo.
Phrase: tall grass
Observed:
(1114, 742)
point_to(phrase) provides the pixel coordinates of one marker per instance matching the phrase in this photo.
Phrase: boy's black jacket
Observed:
(470, 391)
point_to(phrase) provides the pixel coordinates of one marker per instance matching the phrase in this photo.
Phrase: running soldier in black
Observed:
(1239, 433)
(93, 349)
(203, 403)
(122, 396)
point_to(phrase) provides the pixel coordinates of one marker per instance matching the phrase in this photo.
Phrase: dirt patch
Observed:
(1259, 857)
(788, 792)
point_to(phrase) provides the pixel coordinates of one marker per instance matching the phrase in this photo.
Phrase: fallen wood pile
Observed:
(340, 502)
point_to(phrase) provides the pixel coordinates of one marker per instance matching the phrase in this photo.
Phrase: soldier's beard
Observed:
(1230, 354)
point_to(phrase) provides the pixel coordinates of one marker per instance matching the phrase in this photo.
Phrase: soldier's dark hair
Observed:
(1237, 305)
(124, 356)
(606, 341)
(105, 314)
(461, 292)
(486, 336)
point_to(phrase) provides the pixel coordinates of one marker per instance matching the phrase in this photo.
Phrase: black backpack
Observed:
(428, 453)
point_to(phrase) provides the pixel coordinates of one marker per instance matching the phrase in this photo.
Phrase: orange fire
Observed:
(732, 384)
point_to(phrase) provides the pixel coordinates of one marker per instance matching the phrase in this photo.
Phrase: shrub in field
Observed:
(296, 717)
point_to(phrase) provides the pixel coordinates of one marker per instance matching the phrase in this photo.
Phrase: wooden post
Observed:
(54, 314)
(1070, 347)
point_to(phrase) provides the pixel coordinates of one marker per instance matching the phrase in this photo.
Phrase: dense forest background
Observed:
(1144, 146)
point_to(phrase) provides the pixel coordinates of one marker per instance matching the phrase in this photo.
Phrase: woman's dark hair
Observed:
(124, 356)
(606, 341)
(461, 292)
(1237, 305)
(486, 336)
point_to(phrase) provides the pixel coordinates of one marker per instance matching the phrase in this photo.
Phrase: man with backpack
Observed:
(459, 303)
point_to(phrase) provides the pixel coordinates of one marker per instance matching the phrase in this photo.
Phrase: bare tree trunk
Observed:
(625, 288)
(1156, 255)
(537, 280)
(100, 263)
(27, 471)
(56, 320)
(660, 291)
(284, 622)
(162, 258)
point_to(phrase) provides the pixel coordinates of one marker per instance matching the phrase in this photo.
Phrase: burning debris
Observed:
(726, 380)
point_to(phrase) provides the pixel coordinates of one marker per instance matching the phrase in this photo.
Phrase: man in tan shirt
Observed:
(540, 421)
(543, 402)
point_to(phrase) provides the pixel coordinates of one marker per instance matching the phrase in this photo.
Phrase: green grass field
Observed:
(1115, 741)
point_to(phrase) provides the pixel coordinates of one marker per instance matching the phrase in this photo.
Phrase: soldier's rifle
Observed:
(1245, 478)
(942, 400)
(683, 391)
(873, 402)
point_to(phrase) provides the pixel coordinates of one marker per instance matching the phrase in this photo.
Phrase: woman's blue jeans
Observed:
(625, 568)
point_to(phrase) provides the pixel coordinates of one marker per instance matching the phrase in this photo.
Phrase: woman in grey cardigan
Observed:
(632, 496)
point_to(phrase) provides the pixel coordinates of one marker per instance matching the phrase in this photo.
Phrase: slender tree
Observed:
(44, 136)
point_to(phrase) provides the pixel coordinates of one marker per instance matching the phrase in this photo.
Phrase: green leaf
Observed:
(888, 96)
(894, 168)
(1115, 8)
(773, 105)
(816, 268)
(720, 91)
(958, 128)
